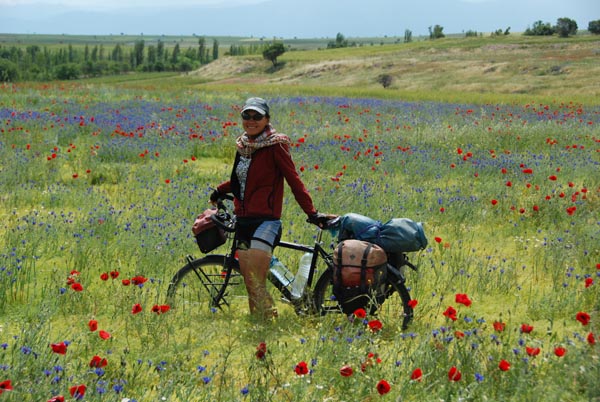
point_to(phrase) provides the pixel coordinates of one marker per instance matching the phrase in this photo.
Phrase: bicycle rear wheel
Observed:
(325, 301)
(203, 282)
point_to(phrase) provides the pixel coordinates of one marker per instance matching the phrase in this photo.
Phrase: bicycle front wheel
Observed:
(203, 282)
(326, 302)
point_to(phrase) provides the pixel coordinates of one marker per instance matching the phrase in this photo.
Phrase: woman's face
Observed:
(252, 126)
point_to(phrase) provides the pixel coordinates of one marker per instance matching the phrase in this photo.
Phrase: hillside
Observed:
(505, 65)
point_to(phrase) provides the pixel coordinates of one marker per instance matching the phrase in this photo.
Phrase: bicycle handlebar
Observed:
(226, 221)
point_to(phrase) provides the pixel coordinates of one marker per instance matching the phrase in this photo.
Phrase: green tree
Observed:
(273, 52)
(566, 27)
(407, 36)
(340, 41)
(594, 27)
(117, 53)
(160, 51)
(202, 50)
(215, 50)
(436, 32)
(138, 53)
(175, 54)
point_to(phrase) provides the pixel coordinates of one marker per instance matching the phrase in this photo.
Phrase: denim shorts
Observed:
(262, 235)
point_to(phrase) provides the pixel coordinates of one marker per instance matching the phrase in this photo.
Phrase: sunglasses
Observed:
(255, 117)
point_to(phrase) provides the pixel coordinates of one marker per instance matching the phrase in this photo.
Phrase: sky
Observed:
(285, 18)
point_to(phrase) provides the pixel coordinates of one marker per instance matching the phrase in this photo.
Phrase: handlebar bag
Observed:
(208, 235)
(359, 267)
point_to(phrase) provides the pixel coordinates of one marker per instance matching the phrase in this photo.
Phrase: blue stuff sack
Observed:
(395, 236)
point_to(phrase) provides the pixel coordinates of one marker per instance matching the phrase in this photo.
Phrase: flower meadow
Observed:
(101, 185)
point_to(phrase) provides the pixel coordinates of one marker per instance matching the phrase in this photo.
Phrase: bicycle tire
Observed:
(325, 302)
(203, 282)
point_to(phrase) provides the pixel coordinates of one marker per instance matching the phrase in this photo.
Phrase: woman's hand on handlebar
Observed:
(321, 220)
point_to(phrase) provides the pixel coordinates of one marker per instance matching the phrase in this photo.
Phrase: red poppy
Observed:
(346, 371)
(126, 282)
(5, 385)
(138, 280)
(450, 313)
(98, 361)
(553, 178)
(588, 282)
(494, 202)
(57, 398)
(437, 239)
(499, 326)
(412, 303)
(104, 335)
(454, 374)
(375, 325)
(571, 210)
(137, 308)
(261, 351)
(583, 318)
(532, 351)
(526, 328)
(60, 348)
(77, 287)
(504, 365)
(462, 298)
(591, 338)
(104, 276)
(360, 313)
(417, 374)
(459, 334)
(77, 391)
(383, 387)
(160, 309)
(114, 274)
(301, 368)
(560, 351)
(93, 325)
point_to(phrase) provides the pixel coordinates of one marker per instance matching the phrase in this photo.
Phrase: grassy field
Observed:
(102, 180)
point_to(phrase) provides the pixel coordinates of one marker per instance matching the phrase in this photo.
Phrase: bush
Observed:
(436, 32)
(8, 71)
(385, 80)
(67, 71)
(540, 29)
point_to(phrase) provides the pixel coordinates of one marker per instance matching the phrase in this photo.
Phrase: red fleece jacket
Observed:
(263, 196)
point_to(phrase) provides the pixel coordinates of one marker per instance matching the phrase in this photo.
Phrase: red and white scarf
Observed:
(247, 145)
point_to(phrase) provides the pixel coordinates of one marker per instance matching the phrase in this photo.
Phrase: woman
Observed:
(262, 162)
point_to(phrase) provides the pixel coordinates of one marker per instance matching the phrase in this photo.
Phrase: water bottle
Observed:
(301, 276)
(280, 271)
